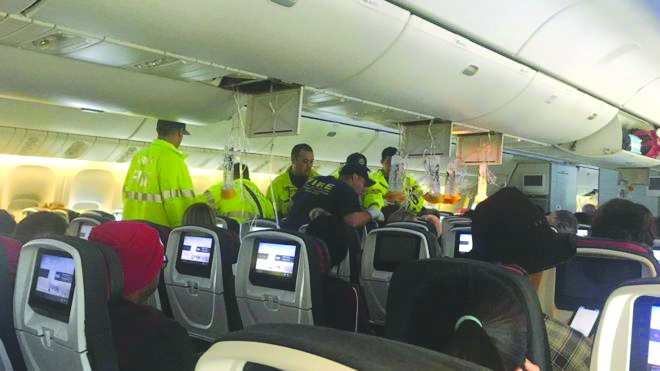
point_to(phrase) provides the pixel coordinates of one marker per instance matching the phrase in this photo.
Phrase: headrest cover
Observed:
(507, 228)
(139, 249)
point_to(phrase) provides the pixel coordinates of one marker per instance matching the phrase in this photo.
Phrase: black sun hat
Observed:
(507, 228)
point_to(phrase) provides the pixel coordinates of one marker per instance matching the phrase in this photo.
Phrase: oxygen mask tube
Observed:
(270, 162)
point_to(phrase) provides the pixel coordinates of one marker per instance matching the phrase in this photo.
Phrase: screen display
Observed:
(394, 248)
(583, 232)
(463, 243)
(196, 250)
(275, 259)
(258, 228)
(533, 180)
(221, 225)
(656, 253)
(584, 320)
(53, 284)
(588, 281)
(84, 231)
(645, 337)
(654, 338)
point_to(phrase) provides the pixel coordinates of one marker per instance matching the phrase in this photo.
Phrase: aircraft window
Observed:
(195, 254)
(53, 284)
(275, 264)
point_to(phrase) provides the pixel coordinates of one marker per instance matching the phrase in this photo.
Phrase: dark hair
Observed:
(237, 171)
(7, 222)
(332, 231)
(566, 221)
(389, 210)
(295, 151)
(501, 344)
(584, 218)
(199, 214)
(624, 220)
(38, 224)
(388, 152)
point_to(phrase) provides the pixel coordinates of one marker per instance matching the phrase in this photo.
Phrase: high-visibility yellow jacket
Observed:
(283, 190)
(374, 195)
(158, 187)
(248, 201)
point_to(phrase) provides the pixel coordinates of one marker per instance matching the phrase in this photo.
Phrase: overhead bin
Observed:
(505, 24)
(548, 111)
(314, 42)
(438, 73)
(608, 47)
(646, 103)
(46, 78)
(15, 6)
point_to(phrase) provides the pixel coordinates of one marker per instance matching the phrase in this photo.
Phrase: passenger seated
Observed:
(340, 298)
(12, 249)
(7, 223)
(624, 220)
(563, 221)
(145, 339)
(39, 224)
(199, 214)
(584, 218)
(507, 228)
(589, 209)
(483, 323)
(405, 215)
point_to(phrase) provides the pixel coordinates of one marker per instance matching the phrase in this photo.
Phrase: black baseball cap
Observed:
(354, 168)
(166, 125)
(357, 158)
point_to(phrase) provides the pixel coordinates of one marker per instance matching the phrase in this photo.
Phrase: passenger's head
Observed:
(624, 220)
(564, 221)
(7, 222)
(507, 228)
(589, 209)
(140, 252)
(171, 131)
(241, 171)
(302, 160)
(472, 315)
(40, 224)
(584, 218)
(386, 158)
(356, 176)
(401, 215)
(199, 214)
(332, 231)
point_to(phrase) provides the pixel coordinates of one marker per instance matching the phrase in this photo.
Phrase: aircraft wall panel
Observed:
(28, 186)
(91, 186)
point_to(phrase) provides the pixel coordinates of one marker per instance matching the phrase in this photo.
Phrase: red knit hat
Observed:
(139, 249)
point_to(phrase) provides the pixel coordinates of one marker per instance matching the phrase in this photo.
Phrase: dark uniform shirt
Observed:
(326, 192)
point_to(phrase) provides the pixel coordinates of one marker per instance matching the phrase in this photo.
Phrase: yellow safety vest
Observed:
(374, 196)
(248, 201)
(158, 187)
(283, 190)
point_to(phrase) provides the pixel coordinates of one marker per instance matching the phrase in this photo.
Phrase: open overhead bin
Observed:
(549, 111)
(40, 77)
(438, 73)
(314, 42)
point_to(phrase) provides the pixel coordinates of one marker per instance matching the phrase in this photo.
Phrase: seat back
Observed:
(384, 249)
(278, 278)
(409, 277)
(598, 267)
(457, 242)
(10, 352)
(413, 225)
(628, 336)
(450, 221)
(296, 347)
(82, 226)
(61, 308)
(200, 281)
(228, 223)
(254, 225)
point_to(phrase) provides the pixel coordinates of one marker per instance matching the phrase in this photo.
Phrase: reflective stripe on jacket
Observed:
(158, 187)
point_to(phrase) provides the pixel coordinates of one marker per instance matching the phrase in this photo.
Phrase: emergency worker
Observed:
(285, 185)
(158, 187)
(375, 195)
(247, 203)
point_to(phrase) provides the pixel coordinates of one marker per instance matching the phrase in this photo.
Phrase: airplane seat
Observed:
(384, 249)
(586, 280)
(457, 241)
(228, 223)
(583, 230)
(61, 311)
(101, 214)
(10, 352)
(332, 230)
(451, 221)
(300, 347)
(427, 229)
(82, 225)
(200, 281)
(257, 225)
(628, 336)
(410, 276)
(279, 278)
(160, 300)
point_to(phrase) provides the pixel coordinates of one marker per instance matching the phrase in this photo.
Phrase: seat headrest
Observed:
(614, 245)
(333, 232)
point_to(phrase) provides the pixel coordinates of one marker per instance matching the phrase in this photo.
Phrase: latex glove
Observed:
(376, 214)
